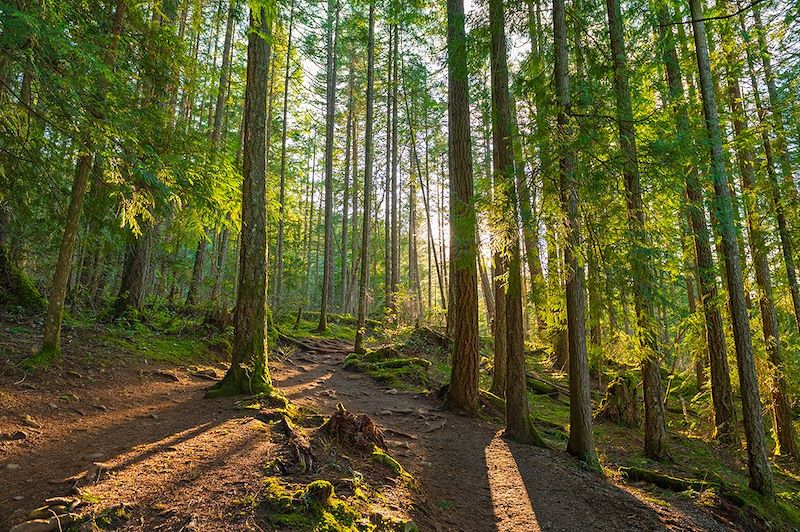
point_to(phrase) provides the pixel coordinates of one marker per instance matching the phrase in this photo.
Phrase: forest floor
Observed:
(123, 424)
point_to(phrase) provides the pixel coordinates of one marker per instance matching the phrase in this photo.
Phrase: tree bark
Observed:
(463, 390)
(277, 290)
(330, 126)
(51, 342)
(518, 421)
(722, 397)
(346, 198)
(781, 410)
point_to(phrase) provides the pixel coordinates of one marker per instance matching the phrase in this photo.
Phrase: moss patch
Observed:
(311, 507)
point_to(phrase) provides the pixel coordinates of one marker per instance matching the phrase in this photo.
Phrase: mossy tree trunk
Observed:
(248, 372)
(518, 422)
(51, 343)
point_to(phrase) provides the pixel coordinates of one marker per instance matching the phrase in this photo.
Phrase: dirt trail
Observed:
(476, 479)
(184, 463)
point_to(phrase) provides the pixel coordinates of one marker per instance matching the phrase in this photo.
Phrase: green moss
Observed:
(46, 356)
(242, 380)
(395, 371)
(383, 458)
(311, 507)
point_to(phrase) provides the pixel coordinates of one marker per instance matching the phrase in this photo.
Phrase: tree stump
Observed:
(620, 404)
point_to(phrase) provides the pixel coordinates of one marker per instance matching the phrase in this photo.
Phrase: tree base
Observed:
(529, 436)
(44, 358)
(241, 381)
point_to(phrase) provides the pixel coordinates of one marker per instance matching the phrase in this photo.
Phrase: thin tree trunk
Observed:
(782, 417)
(330, 126)
(777, 127)
(518, 422)
(368, 142)
(346, 198)
(277, 290)
(395, 219)
(722, 397)
(51, 342)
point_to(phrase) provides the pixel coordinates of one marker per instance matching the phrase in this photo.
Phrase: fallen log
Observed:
(666, 481)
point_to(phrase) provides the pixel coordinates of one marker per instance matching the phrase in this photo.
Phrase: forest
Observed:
(399, 265)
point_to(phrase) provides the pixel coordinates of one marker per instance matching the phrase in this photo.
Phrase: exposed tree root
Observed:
(347, 429)
(301, 456)
(241, 380)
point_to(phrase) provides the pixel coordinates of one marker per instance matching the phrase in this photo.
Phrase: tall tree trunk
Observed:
(330, 126)
(722, 397)
(581, 441)
(782, 416)
(277, 289)
(366, 212)
(248, 372)
(518, 422)
(777, 127)
(655, 438)
(758, 464)
(463, 389)
(394, 278)
(346, 198)
(387, 209)
(51, 342)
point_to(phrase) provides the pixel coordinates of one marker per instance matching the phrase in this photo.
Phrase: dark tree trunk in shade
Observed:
(758, 464)
(197, 273)
(463, 389)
